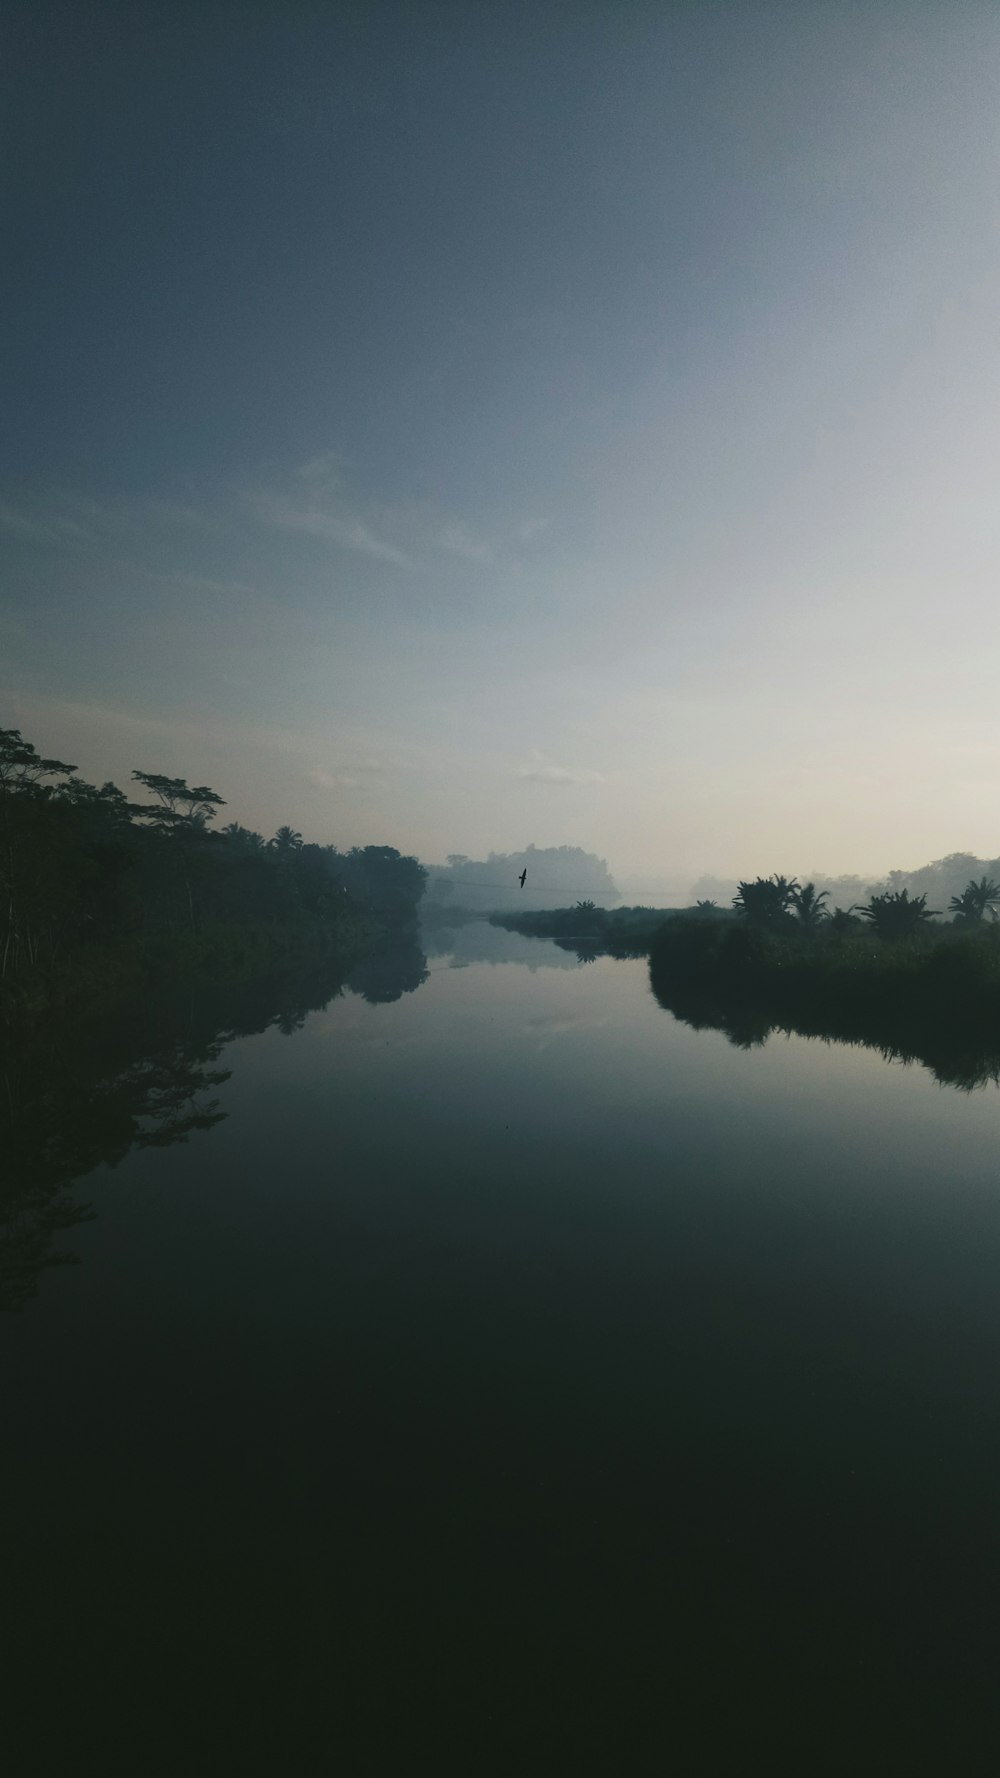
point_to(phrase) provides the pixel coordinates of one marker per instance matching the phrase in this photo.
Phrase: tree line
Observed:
(778, 903)
(82, 865)
(492, 884)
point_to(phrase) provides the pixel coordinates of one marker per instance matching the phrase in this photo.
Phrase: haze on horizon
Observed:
(460, 427)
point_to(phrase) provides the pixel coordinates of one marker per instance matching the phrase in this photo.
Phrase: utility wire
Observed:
(560, 888)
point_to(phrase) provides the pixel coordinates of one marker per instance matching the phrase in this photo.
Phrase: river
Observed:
(503, 1376)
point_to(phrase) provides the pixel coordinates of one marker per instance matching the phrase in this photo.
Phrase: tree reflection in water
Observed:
(80, 1092)
(960, 1048)
(397, 969)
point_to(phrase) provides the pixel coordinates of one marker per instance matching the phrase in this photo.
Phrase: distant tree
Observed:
(81, 863)
(108, 804)
(556, 876)
(586, 906)
(766, 901)
(286, 840)
(40, 860)
(940, 880)
(244, 837)
(970, 907)
(21, 768)
(808, 906)
(176, 806)
(844, 920)
(895, 915)
(380, 878)
(705, 907)
(181, 813)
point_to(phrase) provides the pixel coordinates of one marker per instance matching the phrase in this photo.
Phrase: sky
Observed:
(461, 427)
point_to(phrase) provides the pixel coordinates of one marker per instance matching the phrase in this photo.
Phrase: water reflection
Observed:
(959, 1052)
(585, 950)
(479, 942)
(400, 968)
(81, 1092)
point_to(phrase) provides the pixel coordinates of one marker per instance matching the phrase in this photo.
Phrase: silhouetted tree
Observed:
(808, 909)
(180, 815)
(80, 863)
(844, 920)
(21, 768)
(381, 879)
(286, 840)
(975, 899)
(244, 837)
(177, 807)
(766, 901)
(895, 915)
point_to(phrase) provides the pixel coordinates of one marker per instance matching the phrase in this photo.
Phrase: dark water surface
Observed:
(517, 1380)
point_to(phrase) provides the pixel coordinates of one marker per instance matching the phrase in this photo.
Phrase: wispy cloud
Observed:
(457, 540)
(316, 500)
(328, 470)
(358, 775)
(36, 524)
(543, 771)
(61, 518)
(341, 528)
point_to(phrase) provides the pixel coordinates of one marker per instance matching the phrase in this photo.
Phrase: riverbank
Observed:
(933, 998)
(622, 932)
(945, 963)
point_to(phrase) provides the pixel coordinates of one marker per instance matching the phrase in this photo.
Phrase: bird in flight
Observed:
(523, 875)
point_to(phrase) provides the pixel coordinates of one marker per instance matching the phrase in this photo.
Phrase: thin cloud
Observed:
(315, 499)
(533, 528)
(356, 776)
(542, 772)
(457, 540)
(38, 525)
(63, 518)
(333, 781)
(342, 529)
(325, 471)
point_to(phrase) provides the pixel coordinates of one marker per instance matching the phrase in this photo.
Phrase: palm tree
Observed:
(971, 905)
(243, 836)
(286, 840)
(808, 906)
(896, 916)
(844, 920)
(766, 901)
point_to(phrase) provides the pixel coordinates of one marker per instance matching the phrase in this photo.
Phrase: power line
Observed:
(558, 888)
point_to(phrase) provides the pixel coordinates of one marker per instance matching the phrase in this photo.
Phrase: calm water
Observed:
(512, 1379)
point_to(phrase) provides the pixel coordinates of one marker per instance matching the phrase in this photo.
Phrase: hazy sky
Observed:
(457, 427)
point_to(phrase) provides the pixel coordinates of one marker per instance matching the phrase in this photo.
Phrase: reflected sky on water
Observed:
(513, 1369)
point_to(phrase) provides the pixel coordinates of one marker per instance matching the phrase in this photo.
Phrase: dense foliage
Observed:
(82, 866)
(933, 995)
(781, 947)
(623, 932)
